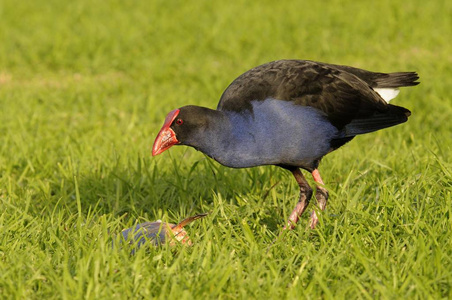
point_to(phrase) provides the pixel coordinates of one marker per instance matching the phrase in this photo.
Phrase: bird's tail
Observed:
(385, 84)
(395, 80)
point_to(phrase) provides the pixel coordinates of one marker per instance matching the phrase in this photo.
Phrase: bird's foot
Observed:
(302, 204)
(314, 220)
(297, 212)
(322, 197)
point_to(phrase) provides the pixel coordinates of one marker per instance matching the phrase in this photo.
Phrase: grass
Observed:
(84, 89)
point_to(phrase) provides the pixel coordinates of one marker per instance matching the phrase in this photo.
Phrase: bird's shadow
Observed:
(151, 188)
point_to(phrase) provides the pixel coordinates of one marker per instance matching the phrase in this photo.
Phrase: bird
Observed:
(289, 113)
(159, 233)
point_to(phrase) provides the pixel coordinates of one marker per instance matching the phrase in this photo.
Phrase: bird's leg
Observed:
(321, 195)
(305, 196)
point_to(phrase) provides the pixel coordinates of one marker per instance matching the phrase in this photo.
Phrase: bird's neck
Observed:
(225, 138)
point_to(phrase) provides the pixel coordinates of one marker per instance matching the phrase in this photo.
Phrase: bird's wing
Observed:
(340, 95)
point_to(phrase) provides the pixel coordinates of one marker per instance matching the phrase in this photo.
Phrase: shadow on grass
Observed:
(144, 188)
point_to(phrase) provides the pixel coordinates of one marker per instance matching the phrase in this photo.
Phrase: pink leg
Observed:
(305, 196)
(321, 195)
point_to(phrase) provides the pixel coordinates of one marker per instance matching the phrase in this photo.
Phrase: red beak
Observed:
(166, 137)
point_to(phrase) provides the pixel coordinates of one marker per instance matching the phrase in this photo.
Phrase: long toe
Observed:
(314, 220)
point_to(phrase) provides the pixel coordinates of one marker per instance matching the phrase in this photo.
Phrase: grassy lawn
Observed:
(86, 85)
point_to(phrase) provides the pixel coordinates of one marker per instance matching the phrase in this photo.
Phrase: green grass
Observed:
(84, 89)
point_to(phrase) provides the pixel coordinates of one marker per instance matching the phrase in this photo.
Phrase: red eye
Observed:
(179, 122)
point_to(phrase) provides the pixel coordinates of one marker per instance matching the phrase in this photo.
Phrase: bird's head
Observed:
(183, 126)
